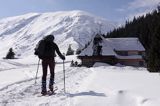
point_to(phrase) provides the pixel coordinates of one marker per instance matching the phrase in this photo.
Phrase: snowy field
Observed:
(101, 85)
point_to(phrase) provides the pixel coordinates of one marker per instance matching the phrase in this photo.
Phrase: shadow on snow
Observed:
(90, 93)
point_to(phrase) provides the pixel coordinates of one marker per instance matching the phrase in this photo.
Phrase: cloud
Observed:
(120, 9)
(137, 14)
(138, 8)
(137, 4)
(141, 7)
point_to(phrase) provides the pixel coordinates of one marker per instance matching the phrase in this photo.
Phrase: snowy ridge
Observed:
(69, 27)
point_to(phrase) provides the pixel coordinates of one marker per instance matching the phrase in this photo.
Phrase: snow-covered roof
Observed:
(106, 49)
(126, 44)
(111, 44)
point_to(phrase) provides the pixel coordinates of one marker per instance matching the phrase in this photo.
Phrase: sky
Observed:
(113, 10)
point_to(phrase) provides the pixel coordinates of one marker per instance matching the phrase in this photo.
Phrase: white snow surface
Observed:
(107, 48)
(101, 85)
(126, 44)
(22, 33)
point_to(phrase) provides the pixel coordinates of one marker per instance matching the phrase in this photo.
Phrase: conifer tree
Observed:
(70, 51)
(78, 51)
(154, 52)
(10, 54)
(147, 29)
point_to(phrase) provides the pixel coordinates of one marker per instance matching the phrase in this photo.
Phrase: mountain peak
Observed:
(69, 27)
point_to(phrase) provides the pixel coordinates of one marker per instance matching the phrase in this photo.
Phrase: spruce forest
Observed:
(147, 29)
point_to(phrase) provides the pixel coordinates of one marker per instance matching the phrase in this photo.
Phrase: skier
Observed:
(48, 51)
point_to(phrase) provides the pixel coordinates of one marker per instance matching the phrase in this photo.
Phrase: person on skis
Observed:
(48, 59)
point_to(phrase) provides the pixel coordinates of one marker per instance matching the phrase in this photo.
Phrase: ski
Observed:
(49, 93)
(52, 92)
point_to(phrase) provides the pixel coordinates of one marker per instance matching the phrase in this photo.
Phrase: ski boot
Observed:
(44, 90)
(51, 88)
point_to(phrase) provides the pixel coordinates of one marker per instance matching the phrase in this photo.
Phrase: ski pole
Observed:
(64, 77)
(37, 71)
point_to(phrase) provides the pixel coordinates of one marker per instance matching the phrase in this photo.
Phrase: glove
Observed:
(63, 57)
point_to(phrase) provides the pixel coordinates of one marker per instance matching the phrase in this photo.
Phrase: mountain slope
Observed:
(69, 27)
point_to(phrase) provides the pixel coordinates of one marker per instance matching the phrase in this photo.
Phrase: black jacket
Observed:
(50, 49)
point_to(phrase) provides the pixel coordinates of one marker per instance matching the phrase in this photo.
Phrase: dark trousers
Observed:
(45, 63)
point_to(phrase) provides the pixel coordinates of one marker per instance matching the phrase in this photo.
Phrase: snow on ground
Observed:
(102, 85)
(121, 86)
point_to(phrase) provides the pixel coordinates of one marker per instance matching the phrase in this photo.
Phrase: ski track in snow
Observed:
(82, 85)
(9, 65)
(26, 92)
(17, 65)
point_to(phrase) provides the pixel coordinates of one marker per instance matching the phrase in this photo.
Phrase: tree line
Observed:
(147, 29)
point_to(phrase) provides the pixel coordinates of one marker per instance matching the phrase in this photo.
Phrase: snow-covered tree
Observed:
(10, 54)
(78, 51)
(70, 51)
